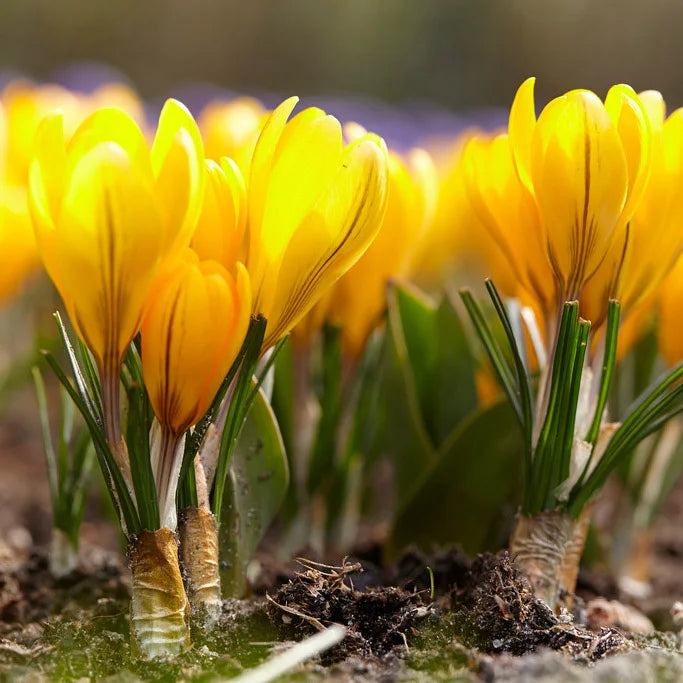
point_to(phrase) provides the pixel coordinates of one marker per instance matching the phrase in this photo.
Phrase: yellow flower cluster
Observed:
(193, 228)
(160, 239)
(564, 206)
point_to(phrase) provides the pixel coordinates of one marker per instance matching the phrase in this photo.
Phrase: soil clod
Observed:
(496, 611)
(377, 620)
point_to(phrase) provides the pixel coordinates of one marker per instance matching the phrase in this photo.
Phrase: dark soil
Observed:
(495, 611)
(439, 617)
(378, 619)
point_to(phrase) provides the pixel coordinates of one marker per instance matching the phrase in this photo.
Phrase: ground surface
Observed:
(481, 622)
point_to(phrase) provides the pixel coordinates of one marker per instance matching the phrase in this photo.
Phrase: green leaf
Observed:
(469, 496)
(523, 384)
(429, 385)
(323, 458)
(407, 439)
(437, 356)
(240, 403)
(257, 480)
(454, 389)
(608, 364)
(283, 394)
(500, 362)
(51, 458)
(118, 491)
(138, 426)
(649, 412)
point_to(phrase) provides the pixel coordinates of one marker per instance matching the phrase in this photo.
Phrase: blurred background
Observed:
(407, 69)
(449, 54)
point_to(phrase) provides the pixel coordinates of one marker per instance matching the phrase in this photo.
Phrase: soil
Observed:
(439, 617)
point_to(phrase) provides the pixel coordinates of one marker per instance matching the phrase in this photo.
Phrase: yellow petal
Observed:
(177, 157)
(230, 129)
(670, 313)
(106, 249)
(655, 107)
(261, 165)
(656, 238)
(332, 236)
(521, 129)
(631, 120)
(507, 211)
(48, 169)
(109, 125)
(16, 240)
(220, 227)
(193, 328)
(580, 180)
(304, 165)
(356, 301)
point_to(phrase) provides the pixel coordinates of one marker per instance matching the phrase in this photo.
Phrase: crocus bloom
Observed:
(512, 237)
(26, 104)
(107, 211)
(194, 326)
(357, 300)
(314, 206)
(585, 164)
(17, 242)
(231, 129)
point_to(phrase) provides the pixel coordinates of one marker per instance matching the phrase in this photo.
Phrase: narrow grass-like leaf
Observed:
(650, 411)
(608, 364)
(323, 452)
(138, 427)
(50, 457)
(538, 494)
(571, 404)
(90, 373)
(81, 384)
(524, 388)
(237, 410)
(66, 423)
(113, 478)
(498, 360)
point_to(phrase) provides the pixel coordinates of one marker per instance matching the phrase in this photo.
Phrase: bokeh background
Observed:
(407, 69)
(447, 54)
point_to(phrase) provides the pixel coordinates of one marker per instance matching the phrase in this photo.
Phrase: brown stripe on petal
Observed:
(309, 284)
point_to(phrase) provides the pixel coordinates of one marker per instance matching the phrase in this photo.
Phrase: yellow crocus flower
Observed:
(583, 162)
(26, 104)
(107, 210)
(17, 242)
(359, 296)
(194, 325)
(221, 225)
(670, 312)
(231, 129)
(196, 320)
(314, 206)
